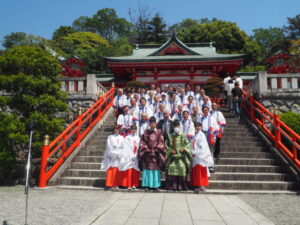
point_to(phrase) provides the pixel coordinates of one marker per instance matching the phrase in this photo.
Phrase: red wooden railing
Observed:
(273, 128)
(71, 137)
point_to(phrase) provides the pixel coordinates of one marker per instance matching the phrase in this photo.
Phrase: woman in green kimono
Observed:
(179, 158)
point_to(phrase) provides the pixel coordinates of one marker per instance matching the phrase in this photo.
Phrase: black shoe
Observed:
(211, 169)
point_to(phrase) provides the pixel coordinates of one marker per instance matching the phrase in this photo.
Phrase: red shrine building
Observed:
(279, 63)
(173, 63)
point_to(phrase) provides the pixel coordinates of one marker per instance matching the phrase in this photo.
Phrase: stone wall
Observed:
(284, 104)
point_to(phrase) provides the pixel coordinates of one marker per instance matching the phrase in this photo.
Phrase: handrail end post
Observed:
(45, 152)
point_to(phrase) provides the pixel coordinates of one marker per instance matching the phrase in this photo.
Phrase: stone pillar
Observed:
(284, 83)
(274, 83)
(80, 85)
(295, 83)
(262, 82)
(91, 84)
(71, 86)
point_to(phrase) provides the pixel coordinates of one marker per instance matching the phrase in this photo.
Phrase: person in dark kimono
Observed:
(151, 156)
(179, 158)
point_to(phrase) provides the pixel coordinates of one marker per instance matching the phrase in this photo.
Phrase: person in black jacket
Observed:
(166, 124)
(237, 98)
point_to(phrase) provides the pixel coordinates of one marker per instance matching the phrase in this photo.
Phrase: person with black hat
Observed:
(179, 159)
(151, 156)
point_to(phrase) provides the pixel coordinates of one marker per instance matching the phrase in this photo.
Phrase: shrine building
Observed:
(173, 63)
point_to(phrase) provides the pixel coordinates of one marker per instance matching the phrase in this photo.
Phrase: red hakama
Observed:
(199, 176)
(112, 177)
(129, 178)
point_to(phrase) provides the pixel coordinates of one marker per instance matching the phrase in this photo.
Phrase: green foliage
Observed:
(227, 35)
(30, 60)
(29, 76)
(106, 23)
(293, 28)
(135, 84)
(213, 86)
(249, 68)
(292, 120)
(12, 139)
(270, 40)
(21, 39)
(62, 31)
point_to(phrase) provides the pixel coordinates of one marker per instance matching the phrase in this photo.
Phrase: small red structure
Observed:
(73, 67)
(279, 62)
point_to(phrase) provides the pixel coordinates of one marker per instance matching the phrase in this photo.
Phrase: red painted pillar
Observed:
(44, 161)
(277, 132)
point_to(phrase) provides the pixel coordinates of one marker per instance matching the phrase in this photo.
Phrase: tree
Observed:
(62, 31)
(227, 35)
(21, 39)
(270, 40)
(140, 18)
(29, 76)
(106, 23)
(293, 28)
(157, 29)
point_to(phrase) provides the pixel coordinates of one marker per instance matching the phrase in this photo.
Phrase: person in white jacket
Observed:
(201, 159)
(128, 166)
(110, 163)
(187, 126)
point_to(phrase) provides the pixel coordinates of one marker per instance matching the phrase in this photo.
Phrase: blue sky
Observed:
(42, 17)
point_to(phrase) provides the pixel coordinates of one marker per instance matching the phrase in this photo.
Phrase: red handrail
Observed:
(72, 136)
(273, 128)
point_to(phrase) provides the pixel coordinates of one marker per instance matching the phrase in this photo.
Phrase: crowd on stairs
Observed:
(177, 131)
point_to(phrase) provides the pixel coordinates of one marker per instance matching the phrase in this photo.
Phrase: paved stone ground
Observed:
(60, 206)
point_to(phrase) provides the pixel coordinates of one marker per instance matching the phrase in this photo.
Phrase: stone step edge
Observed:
(208, 191)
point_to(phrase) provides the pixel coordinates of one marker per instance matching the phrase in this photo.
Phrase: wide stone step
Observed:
(265, 155)
(237, 134)
(240, 138)
(252, 185)
(88, 159)
(247, 161)
(96, 173)
(213, 184)
(230, 148)
(85, 165)
(91, 152)
(250, 168)
(237, 129)
(251, 176)
(242, 144)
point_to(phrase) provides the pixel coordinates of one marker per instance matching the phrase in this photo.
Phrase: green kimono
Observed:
(178, 164)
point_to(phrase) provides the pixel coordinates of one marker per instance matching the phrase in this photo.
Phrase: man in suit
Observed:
(166, 125)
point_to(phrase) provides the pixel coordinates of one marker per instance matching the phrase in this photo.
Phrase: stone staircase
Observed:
(245, 162)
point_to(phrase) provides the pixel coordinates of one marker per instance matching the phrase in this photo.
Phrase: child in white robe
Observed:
(128, 167)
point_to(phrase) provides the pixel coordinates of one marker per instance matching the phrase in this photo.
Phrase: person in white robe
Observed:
(173, 104)
(201, 160)
(110, 163)
(187, 126)
(144, 108)
(128, 165)
(125, 121)
(218, 115)
(142, 124)
(119, 102)
(134, 110)
(160, 114)
(190, 104)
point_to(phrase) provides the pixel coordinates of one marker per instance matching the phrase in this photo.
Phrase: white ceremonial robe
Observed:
(141, 127)
(188, 128)
(173, 106)
(125, 121)
(189, 107)
(134, 112)
(177, 116)
(145, 109)
(218, 115)
(113, 149)
(182, 99)
(159, 116)
(120, 101)
(155, 107)
(200, 151)
(209, 122)
(190, 93)
(128, 159)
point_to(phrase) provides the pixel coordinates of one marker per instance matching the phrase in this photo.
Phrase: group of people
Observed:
(176, 130)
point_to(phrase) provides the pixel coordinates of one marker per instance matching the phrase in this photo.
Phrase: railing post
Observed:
(44, 162)
(277, 127)
(295, 155)
(77, 140)
(63, 148)
(252, 111)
